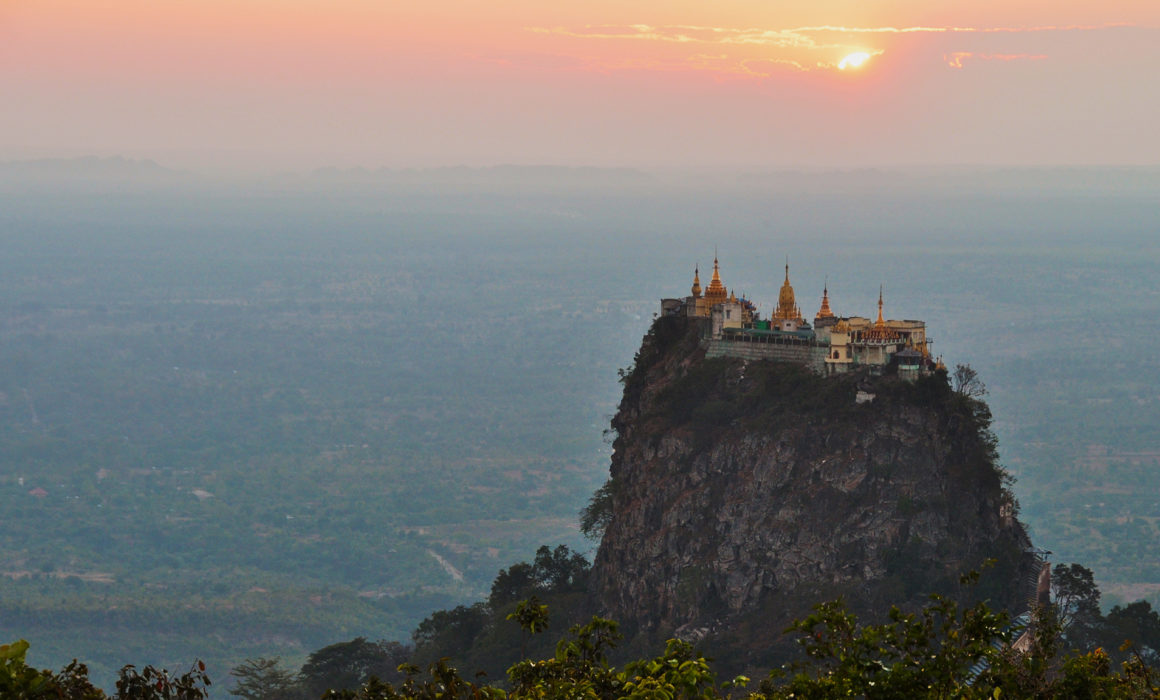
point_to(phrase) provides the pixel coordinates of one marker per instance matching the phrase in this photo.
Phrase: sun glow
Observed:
(854, 60)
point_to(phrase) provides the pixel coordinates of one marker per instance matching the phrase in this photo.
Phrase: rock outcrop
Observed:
(743, 493)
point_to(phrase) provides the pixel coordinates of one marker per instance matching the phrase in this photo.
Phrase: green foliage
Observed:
(350, 664)
(18, 681)
(153, 684)
(579, 667)
(263, 679)
(1077, 602)
(558, 570)
(595, 516)
(929, 653)
(664, 334)
(967, 381)
(482, 638)
(944, 650)
(531, 615)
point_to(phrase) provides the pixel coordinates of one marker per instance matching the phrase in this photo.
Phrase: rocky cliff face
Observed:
(742, 493)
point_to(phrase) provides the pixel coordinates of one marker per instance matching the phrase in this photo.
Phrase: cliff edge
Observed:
(741, 493)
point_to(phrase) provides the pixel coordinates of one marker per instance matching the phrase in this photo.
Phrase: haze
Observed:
(258, 85)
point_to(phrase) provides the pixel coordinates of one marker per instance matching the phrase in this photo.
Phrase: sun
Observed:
(854, 60)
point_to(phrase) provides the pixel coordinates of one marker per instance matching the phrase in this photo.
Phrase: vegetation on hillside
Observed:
(944, 650)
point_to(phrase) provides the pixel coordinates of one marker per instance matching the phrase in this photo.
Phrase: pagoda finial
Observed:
(696, 281)
(716, 293)
(787, 309)
(825, 311)
(880, 322)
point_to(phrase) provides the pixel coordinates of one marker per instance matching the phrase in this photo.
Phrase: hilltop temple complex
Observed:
(732, 327)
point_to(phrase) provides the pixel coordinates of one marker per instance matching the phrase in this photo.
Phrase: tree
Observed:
(967, 382)
(560, 570)
(512, 584)
(930, 653)
(153, 684)
(449, 631)
(1077, 602)
(19, 681)
(595, 516)
(263, 679)
(350, 664)
(533, 618)
(1138, 624)
(579, 668)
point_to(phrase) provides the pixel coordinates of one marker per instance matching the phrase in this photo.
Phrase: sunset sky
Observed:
(256, 84)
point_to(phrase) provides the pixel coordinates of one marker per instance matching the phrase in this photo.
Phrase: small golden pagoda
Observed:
(696, 282)
(716, 293)
(880, 331)
(787, 309)
(825, 311)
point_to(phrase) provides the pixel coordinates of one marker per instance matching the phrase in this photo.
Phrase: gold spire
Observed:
(880, 323)
(697, 282)
(787, 310)
(716, 292)
(825, 312)
(881, 331)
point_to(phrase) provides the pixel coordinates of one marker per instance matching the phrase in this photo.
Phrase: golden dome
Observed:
(696, 282)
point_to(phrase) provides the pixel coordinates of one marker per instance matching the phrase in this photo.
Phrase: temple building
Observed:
(834, 344)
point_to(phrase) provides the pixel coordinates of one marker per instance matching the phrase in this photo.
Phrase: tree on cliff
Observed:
(1077, 600)
(967, 382)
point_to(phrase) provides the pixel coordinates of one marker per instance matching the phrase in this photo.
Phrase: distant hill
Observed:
(533, 176)
(87, 171)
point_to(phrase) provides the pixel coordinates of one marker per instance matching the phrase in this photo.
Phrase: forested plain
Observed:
(260, 418)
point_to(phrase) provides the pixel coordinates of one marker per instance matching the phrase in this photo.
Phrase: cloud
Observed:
(797, 37)
(819, 47)
(955, 59)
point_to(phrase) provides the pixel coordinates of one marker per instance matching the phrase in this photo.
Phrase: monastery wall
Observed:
(813, 357)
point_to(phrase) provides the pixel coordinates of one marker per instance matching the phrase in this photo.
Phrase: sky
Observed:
(298, 84)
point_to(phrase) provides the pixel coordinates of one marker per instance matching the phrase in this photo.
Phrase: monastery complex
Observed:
(832, 344)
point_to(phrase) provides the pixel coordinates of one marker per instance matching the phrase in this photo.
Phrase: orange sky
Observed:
(309, 82)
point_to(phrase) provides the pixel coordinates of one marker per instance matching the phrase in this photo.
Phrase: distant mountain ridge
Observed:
(534, 175)
(86, 166)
